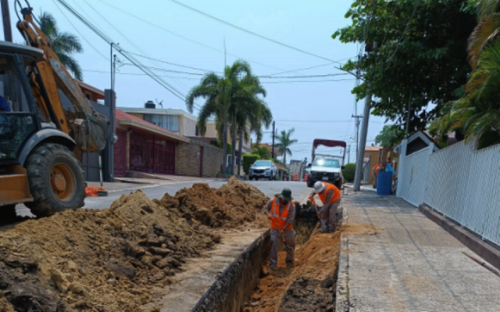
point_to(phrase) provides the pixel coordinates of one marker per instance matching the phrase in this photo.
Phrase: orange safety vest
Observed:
(328, 186)
(277, 221)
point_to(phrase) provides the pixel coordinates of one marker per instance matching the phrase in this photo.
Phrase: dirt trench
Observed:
(308, 285)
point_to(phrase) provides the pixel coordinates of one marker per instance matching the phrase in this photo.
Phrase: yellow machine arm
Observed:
(85, 125)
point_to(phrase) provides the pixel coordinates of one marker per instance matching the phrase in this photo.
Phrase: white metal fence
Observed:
(461, 183)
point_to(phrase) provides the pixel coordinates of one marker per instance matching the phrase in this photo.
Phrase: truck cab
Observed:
(327, 169)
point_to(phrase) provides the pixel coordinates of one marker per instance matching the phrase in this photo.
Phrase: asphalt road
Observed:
(300, 193)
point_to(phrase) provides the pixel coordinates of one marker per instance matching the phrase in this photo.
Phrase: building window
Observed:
(168, 122)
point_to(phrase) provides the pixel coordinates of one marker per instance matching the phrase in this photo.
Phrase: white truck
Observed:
(326, 168)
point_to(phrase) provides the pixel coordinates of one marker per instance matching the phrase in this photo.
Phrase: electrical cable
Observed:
(173, 64)
(83, 37)
(103, 36)
(186, 38)
(251, 32)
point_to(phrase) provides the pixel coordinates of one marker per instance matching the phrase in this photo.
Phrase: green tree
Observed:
(284, 141)
(389, 136)
(221, 94)
(477, 113)
(420, 54)
(64, 44)
(263, 152)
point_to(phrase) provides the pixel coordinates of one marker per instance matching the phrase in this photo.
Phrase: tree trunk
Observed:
(233, 144)
(240, 144)
(224, 145)
(284, 158)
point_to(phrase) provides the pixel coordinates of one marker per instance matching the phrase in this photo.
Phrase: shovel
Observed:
(284, 242)
(323, 227)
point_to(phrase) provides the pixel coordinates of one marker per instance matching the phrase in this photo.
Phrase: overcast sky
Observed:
(175, 34)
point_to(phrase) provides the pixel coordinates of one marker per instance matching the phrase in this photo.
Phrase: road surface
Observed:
(299, 192)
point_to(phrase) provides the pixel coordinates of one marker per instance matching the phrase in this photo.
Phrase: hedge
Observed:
(248, 161)
(349, 172)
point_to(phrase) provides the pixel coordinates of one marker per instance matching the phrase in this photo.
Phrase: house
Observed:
(183, 123)
(417, 141)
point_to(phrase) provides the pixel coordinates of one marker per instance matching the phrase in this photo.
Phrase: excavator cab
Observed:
(37, 165)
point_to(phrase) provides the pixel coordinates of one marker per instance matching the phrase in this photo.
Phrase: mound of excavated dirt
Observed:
(110, 260)
(105, 260)
(233, 204)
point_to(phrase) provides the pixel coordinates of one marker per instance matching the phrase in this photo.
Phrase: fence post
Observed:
(402, 156)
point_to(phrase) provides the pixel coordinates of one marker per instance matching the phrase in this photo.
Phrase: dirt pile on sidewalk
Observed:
(233, 204)
(106, 260)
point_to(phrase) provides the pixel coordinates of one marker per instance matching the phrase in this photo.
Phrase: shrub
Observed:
(349, 172)
(248, 161)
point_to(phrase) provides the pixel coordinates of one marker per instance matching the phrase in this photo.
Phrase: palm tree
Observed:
(249, 113)
(220, 94)
(284, 143)
(477, 114)
(64, 44)
(486, 30)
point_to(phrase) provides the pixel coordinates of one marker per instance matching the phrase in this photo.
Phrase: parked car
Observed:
(263, 169)
(325, 169)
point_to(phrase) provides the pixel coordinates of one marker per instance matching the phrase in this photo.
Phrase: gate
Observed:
(150, 154)
(120, 154)
(164, 161)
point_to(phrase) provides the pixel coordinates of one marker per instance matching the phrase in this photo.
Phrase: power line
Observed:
(307, 68)
(173, 64)
(252, 33)
(103, 36)
(76, 29)
(302, 81)
(303, 76)
(184, 37)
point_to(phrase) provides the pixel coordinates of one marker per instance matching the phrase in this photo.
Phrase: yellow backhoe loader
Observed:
(46, 124)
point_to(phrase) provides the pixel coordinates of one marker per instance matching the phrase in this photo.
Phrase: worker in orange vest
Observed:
(376, 169)
(281, 212)
(330, 196)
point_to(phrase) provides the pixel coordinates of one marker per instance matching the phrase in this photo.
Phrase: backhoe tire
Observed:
(56, 180)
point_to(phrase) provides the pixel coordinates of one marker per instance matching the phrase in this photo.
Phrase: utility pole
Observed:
(362, 143)
(7, 29)
(274, 124)
(349, 154)
(358, 117)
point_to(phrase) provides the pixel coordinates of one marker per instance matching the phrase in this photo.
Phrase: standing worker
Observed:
(330, 196)
(281, 211)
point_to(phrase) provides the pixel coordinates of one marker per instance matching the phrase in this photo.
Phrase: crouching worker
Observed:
(330, 196)
(281, 211)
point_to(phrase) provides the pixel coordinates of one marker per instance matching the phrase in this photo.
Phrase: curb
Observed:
(471, 240)
(342, 301)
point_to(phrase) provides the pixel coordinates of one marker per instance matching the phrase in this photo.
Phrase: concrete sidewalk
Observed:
(411, 264)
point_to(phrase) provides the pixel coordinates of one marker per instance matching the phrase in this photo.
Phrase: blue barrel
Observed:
(384, 183)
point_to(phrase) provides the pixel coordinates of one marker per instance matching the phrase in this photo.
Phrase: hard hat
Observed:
(318, 187)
